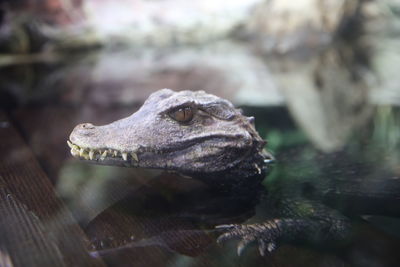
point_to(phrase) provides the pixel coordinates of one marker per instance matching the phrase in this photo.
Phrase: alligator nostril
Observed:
(87, 126)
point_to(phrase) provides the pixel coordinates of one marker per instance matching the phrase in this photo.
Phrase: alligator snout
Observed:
(84, 133)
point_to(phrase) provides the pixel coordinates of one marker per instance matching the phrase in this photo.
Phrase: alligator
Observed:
(205, 137)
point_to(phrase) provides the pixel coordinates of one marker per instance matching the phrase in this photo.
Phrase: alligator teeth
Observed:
(104, 155)
(74, 152)
(81, 152)
(112, 152)
(91, 154)
(70, 144)
(134, 156)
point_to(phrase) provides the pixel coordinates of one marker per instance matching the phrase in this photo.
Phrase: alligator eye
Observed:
(184, 114)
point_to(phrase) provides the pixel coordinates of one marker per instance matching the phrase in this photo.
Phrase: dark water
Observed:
(151, 218)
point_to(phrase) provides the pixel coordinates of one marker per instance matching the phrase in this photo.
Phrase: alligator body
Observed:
(205, 137)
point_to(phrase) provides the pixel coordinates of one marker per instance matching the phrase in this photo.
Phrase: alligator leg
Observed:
(320, 225)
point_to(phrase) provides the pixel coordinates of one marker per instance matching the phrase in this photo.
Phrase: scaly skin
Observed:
(205, 137)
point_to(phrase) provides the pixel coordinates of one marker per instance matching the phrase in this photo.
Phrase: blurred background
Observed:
(320, 76)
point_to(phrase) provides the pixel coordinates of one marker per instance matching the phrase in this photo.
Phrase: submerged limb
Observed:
(317, 224)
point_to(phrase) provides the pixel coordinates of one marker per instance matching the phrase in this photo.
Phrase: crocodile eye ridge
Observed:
(182, 114)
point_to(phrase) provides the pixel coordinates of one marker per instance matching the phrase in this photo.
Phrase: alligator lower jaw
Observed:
(99, 155)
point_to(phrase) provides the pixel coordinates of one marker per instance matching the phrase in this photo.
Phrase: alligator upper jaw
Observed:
(104, 155)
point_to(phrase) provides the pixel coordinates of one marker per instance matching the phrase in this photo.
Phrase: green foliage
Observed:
(279, 140)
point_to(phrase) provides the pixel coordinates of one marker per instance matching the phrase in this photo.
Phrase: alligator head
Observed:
(193, 133)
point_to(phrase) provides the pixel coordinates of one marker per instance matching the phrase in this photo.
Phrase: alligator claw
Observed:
(262, 247)
(225, 226)
(224, 237)
(264, 234)
(243, 244)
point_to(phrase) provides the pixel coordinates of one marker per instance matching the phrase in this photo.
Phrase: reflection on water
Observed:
(152, 217)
